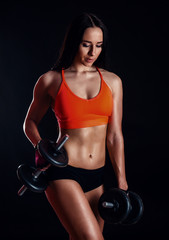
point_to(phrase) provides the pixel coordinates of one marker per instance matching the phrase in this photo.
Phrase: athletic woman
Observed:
(87, 102)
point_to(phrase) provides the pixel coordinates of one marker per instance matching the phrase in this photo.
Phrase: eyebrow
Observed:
(90, 41)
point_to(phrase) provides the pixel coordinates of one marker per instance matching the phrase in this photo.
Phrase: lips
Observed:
(89, 60)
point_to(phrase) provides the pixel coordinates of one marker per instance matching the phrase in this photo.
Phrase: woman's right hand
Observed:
(40, 162)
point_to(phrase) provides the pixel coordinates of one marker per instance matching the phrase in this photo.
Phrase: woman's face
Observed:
(90, 47)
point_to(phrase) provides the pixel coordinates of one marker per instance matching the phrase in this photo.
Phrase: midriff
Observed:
(86, 146)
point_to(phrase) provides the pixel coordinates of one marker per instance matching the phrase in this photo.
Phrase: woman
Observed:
(87, 101)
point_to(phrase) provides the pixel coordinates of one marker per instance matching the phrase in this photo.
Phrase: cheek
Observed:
(99, 51)
(82, 52)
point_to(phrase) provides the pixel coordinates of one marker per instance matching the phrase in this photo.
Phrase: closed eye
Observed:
(86, 45)
(89, 45)
(99, 46)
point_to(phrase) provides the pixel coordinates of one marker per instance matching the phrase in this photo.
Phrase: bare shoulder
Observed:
(48, 84)
(49, 78)
(112, 79)
(110, 76)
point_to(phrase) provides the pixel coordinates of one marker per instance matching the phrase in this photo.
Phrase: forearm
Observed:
(31, 131)
(116, 154)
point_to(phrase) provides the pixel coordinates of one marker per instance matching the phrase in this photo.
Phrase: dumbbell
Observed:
(34, 179)
(117, 206)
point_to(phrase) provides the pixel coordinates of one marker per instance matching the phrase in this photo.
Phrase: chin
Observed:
(87, 64)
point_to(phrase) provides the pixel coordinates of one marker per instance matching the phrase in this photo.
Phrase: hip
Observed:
(88, 179)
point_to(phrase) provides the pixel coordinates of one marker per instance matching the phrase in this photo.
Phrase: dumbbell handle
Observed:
(22, 190)
(61, 142)
(114, 205)
(107, 204)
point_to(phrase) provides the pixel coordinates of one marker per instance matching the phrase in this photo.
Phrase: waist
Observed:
(85, 157)
(86, 147)
(87, 163)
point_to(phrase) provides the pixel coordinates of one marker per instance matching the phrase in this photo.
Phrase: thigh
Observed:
(93, 198)
(72, 208)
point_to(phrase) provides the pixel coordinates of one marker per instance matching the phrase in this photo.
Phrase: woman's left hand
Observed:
(122, 184)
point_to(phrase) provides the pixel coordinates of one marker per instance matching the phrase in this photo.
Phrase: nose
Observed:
(92, 51)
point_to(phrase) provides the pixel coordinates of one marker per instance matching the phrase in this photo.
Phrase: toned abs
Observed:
(86, 146)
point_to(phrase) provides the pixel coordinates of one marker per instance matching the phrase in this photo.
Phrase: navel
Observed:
(90, 155)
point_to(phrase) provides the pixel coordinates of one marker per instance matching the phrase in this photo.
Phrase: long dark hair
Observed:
(73, 39)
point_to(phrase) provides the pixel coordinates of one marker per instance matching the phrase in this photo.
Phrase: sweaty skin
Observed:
(86, 146)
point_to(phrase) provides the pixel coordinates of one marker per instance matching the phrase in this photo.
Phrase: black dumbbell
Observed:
(137, 209)
(118, 206)
(33, 178)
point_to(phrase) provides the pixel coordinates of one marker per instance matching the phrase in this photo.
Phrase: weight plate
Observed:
(25, 175)
(47, 149)
(121, 208)
(137, 208)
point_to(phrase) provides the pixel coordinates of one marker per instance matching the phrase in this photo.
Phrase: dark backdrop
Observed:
(30, 37)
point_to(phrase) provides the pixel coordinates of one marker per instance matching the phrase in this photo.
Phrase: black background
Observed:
(30, 38)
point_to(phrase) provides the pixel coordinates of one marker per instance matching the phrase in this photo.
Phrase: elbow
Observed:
(113, 139)
(110, 141)
(28, 125)
(25, 126)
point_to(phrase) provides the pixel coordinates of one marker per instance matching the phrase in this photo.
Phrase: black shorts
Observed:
(88, 179)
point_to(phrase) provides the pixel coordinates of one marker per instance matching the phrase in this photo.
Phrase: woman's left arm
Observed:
(115, 140)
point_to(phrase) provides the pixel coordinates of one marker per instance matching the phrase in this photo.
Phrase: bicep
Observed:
(40, 103)
(115, 121)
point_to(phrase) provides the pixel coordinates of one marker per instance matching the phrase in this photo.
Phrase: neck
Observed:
(80, 68)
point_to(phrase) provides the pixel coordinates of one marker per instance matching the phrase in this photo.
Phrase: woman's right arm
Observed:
(40, 103)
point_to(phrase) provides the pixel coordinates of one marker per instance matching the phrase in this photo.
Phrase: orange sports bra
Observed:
(72, 111)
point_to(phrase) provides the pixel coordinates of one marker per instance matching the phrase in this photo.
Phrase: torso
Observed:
(85, 146)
